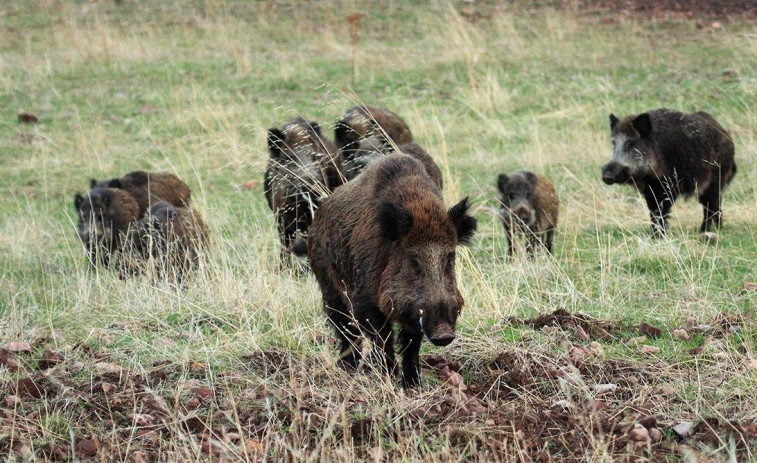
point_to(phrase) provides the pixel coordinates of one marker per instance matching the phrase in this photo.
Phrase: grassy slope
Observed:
(189, 87)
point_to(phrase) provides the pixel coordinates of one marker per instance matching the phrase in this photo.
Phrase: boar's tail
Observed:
(300, 245)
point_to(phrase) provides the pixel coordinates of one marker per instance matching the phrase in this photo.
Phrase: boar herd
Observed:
(141, 222)
(366, 210)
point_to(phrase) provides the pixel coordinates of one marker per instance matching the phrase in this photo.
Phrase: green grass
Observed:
(191, 86)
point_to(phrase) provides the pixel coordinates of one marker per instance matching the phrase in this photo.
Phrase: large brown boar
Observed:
(105, 216)
(302, 169)
(382, 248)
(664, 154)
(373, 148)
(528, 206)
(169, 239)
(148, 188)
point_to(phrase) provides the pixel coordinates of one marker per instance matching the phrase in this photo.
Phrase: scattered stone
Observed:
(636, 341)
(193, 403)
(600, 389)
(645, 329)
(87, 448)
(655, 434)
(638, 433)
(596, 349)
(27, 118)
(18, 346)
(681, 335)
(204, 393)
(105, 367)
(11, 400)
(50, 359)
(577, 356)
(649, 350)
(581, 334)
(684, 429)
(748, 287)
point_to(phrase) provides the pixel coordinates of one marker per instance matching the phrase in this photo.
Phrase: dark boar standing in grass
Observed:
(665, 154)
(148, 188)
(105, 216)
(169, 239)
(382, 248)
(367, 128)
(302, 170)
(528, 206)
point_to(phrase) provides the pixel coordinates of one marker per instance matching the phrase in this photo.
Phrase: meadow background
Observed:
(239, 363)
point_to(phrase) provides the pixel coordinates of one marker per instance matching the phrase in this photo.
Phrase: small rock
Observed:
(716, 25)
(50, 359)
(649, 349)
(204, 392)
(23, 451)
(581, 334)
(193, 403)
(596, 348)
(681, 335)
(18, 346)
(577, 356)
(645, 329)
(105, 367)
(638, 433)
(748, 286)
(87, 448)
(655, 434)
(562, 405)
(11, 400)
(636, 341)
(684, 429)
(605, 388)
(27, 118)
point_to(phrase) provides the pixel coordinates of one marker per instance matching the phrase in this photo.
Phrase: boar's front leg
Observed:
(659, 201)
(710, 200)
(410, 346)
(378, 328)
(345, 327)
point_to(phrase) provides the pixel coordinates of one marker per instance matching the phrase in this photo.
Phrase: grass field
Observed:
(239, 364)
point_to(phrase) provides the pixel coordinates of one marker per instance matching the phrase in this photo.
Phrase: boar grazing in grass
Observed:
(373, 148)
(382, 248)
(150, 187)
(169, 239)
(665, 154)
(105, 216)
(528, 206)
(302, 170)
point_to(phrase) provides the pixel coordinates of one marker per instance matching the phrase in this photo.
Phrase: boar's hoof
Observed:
(709, 237)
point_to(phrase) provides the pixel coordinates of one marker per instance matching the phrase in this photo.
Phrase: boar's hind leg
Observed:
(659, 200)
(410, 345)
(710, 200)
(378, 328)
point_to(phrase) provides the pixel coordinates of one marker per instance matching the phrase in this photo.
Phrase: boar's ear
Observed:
(315, 127)
(275, 142)
(530, 177)
(78, 201)
(345, 137)
(643, 124)
(502, 182)
(92, 183)
(395, 221)
(613, 121)
(465, 224)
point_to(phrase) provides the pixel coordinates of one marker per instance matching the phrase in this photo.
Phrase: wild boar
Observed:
(362, 122)
(150, 187)
(528, 206)
(105, 215)
(302, 169)
(382, 248)
(664, 154)
(169, 239)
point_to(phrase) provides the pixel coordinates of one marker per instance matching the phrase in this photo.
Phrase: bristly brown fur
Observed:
(149, 188)
(531, 195)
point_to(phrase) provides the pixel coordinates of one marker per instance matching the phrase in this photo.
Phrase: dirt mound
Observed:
(561, 318)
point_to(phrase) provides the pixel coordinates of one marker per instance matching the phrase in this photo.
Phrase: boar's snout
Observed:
(615, 172)
(443, 335)
(525, 214)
